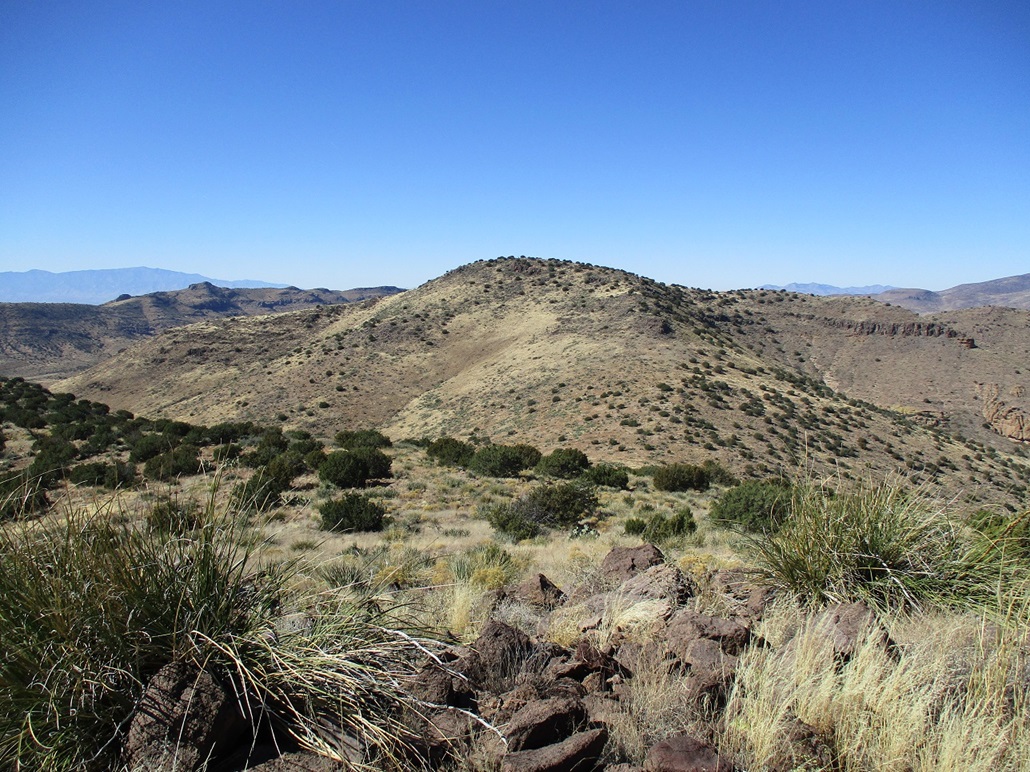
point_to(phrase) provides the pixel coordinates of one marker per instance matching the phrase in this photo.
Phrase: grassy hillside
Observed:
(627, 369)
(802, 623)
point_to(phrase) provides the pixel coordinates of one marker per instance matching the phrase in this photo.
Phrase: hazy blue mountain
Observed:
(99, 286)
(829, 289)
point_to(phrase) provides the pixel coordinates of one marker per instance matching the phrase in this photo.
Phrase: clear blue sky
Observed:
(713, 143)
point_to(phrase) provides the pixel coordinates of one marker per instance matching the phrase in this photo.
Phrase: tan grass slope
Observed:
(552, 352)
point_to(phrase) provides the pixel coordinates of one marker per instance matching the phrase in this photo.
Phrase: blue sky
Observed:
(712, 143)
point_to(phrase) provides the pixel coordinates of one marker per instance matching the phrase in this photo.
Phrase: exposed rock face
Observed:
(1007, 420)
(894, 329)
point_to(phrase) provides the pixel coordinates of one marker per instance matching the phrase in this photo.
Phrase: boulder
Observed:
(688, 625)
(579, 753)
(183, 714)
(846, 626)
(444, 684)
(540, 592)
(683, 753)
(622, 563)
(544, 722)
(660, 582)
(748, 599)
(497, 655)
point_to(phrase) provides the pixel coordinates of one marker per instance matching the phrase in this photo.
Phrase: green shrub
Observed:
(181, 462)
(53, 457)
(607, 476)
(362, 438)
(513, 521)
(344, 470)
(314, 459)
(92, 473)
(172, 517)
(635, 526)
(286, 466)
(147, 446)
(261, 492)
(450, 452)
(549, 506)
(565, 463)
(663, 529)
(755, 505)
(352, 512)
(120, 475)
(22, 495)
(379, 464)
(502, 460)
(227, 452)
(718, 474)
(681, 477)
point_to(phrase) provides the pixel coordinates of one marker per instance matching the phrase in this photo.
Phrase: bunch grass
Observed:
(94, 603)
(886, 545)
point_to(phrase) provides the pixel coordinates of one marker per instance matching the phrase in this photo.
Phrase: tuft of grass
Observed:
(91, 608)
(950, 695)
(885, 545)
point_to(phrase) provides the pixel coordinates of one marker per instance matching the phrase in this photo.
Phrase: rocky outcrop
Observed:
(1007, 420)
(894, 329)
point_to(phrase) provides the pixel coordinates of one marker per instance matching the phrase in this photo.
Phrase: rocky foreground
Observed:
(520, 704)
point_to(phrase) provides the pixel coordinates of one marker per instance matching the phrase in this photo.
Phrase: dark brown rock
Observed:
(183, 715)
(664, 584)
(544, 722)
(498, 654)
(748, 598)
(299, 762)
(683, 753)
(602, 709)
(444, 684)
(539, 591)
(688, 625)
(845, 626)
(579, 753)
(622, 563)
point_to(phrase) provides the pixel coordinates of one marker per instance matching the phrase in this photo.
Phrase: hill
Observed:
(1011, 292)
(99, 286)
(550, 352)
(44, 341)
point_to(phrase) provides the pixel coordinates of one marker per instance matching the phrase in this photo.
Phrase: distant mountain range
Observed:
(50, 340)
(1009, 292)
(100, 286)
(828, 289)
